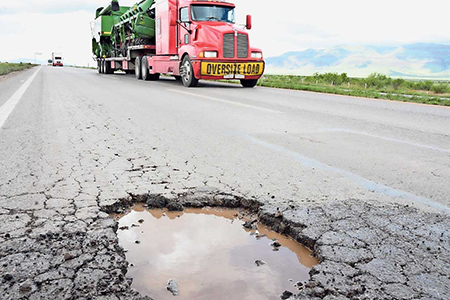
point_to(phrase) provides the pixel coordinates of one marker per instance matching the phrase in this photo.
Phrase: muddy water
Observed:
(210, 254)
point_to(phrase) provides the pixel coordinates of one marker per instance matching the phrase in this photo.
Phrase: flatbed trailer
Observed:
(126, 64)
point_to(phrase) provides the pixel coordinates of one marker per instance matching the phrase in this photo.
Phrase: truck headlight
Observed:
(210, 54)
(256, 55)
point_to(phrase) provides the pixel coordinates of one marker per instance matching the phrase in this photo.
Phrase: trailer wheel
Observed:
(99, 66)
(103, 66)
(144, 69)
(137, 67)
(187, 73)
(249, 83)
(108, 69)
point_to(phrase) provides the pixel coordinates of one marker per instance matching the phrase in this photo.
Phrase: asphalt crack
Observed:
(58, 241)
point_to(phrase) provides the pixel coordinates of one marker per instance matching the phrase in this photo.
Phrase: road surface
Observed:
(73, 142)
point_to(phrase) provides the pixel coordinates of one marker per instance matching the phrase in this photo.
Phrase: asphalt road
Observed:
(78, 141)
(293, 145)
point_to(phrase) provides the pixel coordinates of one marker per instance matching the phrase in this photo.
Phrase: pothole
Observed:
(210, 253)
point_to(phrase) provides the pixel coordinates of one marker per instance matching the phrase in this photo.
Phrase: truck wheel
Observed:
(103, 67)
(99, 66)
(153, 77)
(249, 83)
(108, 69)
(187, 73)
(144, 69)
(137, 67)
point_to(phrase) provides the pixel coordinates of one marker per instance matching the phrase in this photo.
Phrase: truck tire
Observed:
(103, 67)
(137, 68)
(99, 66)
(154, 77)
(187, 73)
(144, 69)
(249, 83)
(108, 69)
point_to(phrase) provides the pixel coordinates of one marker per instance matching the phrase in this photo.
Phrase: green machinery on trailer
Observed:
(116, 28)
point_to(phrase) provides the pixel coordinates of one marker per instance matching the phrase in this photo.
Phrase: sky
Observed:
(46, 26)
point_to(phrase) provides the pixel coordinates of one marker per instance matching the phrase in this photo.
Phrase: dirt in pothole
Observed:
(210, 255)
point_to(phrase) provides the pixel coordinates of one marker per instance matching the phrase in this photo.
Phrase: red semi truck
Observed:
(194, 39)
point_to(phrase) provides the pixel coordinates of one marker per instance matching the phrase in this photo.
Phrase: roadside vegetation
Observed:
(376, 86)
(6, 67)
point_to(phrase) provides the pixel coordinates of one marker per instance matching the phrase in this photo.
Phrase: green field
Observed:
(6, 68)
(376, 86)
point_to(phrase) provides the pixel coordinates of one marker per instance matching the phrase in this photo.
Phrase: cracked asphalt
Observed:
(364, 183)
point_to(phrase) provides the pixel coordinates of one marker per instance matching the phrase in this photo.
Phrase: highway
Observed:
(292, 145)
(89, 139)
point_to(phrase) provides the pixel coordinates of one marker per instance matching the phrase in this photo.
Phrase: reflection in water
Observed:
(210, 255)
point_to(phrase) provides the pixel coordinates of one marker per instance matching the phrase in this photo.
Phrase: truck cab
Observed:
(217, 47)
(207, 43)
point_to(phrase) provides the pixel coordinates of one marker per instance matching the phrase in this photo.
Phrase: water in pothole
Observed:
(210, 255)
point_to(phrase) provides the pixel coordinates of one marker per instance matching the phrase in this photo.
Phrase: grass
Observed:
(375, 86)
(6, 68)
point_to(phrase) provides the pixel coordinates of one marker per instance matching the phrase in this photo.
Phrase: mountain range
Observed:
(421, 61)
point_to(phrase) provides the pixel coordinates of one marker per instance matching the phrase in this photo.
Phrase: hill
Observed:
(421, 60)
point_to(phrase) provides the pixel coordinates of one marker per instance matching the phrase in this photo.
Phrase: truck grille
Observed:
(242, 46)
(228, 45)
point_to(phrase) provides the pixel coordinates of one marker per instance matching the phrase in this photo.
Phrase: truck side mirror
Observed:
(249, 22)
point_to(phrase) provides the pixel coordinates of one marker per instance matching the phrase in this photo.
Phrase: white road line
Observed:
(362, 181)
(229, 102)
(8, 107)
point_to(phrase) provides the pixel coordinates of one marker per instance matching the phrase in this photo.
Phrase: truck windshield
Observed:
(212, 13)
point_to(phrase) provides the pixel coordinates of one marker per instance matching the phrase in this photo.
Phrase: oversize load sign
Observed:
(223, 69)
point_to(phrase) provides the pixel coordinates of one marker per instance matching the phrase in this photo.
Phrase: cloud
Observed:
(278, 27)
(52, 35)
(297, 25)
